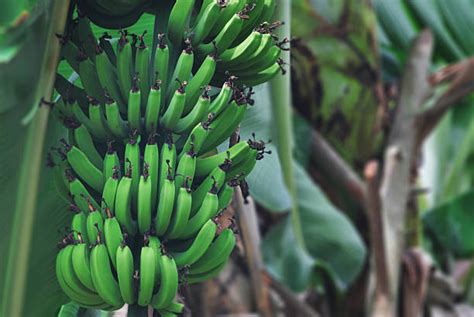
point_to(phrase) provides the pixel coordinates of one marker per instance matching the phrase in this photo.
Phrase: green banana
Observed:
(108, 77)
(110, 191)
(116, 124)
(224, 125)
(84, 119)
(174, 307)
(206, 211)
(142, 64)
(69, 274)
(230, 9)
(104, 43)
(197, 278)
(84, 168)
(262, 76)
(89, 78)
(253, 14)
(123, 203)
(84, 300)
(83, 139)
(98, 121)
(182, 70)
(181, 212)
(155, 244)
(111, 163)
(257, 56)
(161, 65)
(225, 195)
(94, 224)
(79, 192)
(102, 276)
(147, 275)
(215, 180)
(186, 123)
(198, 247)
(243, 168)
(239, 54)
(144, 207)
(132, 159)
(60, 182)
(235, 154)
(125, 273)
(124, 64)
(165, 313)
(134, 108)
(175, 108)
(79, 225)
(153, 107)
(113, 236)
(152, 157)
(207, 18)
(80, 264)
(70, 284)
(223, 98)
(168, 161)
(197, 137)
(168, 283)
(185, 170)
(165, 203)
(226, 36)
(269, 7)
(201, 78)
(217, 253)
(178, 19)
(269, 58)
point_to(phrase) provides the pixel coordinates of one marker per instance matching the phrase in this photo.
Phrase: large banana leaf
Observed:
(331, 241)
(450, 225)
(334, 73)
(32, 212)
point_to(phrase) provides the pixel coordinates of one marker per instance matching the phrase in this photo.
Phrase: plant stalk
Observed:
(137, 311)
(282, 114)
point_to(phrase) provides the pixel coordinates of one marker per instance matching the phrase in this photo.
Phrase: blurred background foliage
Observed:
(346, 61)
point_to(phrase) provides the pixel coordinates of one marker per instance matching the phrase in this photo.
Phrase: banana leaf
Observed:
(32, 212)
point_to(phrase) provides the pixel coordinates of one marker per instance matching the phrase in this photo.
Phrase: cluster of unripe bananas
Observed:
(140, 167)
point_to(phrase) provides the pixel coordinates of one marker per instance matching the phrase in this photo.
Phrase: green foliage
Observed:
(22, 155)
(334, 74)
(331, 241)
(450, 225)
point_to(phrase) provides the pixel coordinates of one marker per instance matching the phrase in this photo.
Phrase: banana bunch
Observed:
(102, 264)
(140, 167)
(237, 32)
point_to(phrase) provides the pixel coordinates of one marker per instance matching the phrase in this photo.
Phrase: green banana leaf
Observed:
(450, 225)
(334, 67)
(29, 226)
(332, 242)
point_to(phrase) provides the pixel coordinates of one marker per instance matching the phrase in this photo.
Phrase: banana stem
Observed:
(160, 26)
(26, 205)
(282, 113)
(137, 311)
